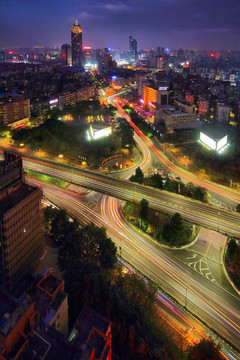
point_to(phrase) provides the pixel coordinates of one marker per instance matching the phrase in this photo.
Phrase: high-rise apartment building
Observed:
(132, 48)
(12, 112)
(66, 54)
(158, 96)
(76, 38)
(21, 228)
(223, 113)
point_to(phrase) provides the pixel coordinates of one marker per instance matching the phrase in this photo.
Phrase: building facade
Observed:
(76, 40)
(151, 96)
(132, 48)
(21, 224)
(223, 113)
(12, 112)
(66, 54)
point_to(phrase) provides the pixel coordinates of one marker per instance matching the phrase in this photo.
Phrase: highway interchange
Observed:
(178, 272)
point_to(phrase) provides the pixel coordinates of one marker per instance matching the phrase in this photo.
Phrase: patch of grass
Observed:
(46, 178)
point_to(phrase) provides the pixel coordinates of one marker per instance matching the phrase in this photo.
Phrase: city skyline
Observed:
(175, 24)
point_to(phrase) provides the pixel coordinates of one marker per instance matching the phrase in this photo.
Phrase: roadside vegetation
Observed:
(87, 258)
(232, 261)
(167, 230)
(47, 178)
(170, 184)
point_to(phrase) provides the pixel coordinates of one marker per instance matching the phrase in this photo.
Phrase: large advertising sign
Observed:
(208, 141)
(221, 143)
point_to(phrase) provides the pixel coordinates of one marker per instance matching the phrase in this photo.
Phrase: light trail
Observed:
(151, 261)
(227, 193)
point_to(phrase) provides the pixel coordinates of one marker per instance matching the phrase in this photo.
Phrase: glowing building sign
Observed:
(208, 141)
(53, 101)
(163, 88)
(213, 144)
(96, 133)
(221, 143)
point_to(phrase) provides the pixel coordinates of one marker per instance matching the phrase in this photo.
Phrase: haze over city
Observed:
(188, 24)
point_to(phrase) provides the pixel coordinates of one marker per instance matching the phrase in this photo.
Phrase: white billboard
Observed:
(208, 141)
(221, 143)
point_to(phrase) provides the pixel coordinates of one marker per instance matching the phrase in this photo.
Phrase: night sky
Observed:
(187, 24)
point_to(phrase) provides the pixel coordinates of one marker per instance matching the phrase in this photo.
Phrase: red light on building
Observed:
(10, 52)
(212, 55)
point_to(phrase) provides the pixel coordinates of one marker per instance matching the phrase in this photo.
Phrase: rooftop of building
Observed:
(177, 112)
(46, 343)
(164, 107)
(48, 295)
(11, 160)
(215, 131)
(11, 311)
(15, 198)
(88, 329)
(96, 126)
(50, 283)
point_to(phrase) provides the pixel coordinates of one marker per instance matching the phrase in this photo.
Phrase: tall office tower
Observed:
(133, 48)
(21, 231)
(66, 54)
(76, 37)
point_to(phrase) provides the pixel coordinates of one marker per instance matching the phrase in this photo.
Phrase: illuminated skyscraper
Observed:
(133, 48)
(76, 37)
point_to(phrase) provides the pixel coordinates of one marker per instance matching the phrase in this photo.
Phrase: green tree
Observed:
(204, 350)
(59, 224)
(144, 209)
(138, 177)
(126, 133)
(231, 249)
(154, 181)
(176, 232)
(200, 194)
(89, 244)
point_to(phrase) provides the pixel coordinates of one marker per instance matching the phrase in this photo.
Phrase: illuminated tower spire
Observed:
(76, 37)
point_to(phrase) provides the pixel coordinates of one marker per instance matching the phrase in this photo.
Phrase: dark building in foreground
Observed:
(21, 231)
(76, 38)
(16, 325)
(66, 54)
(91, 336)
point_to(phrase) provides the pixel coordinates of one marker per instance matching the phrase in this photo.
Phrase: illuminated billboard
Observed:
(53, 103)
(217, 145)
(96, 133)
(208, 141)
(221, 143)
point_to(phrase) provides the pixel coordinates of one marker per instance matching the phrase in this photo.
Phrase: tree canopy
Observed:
(175, 231)
(138, 176)
(90, 244)
(204, 350)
